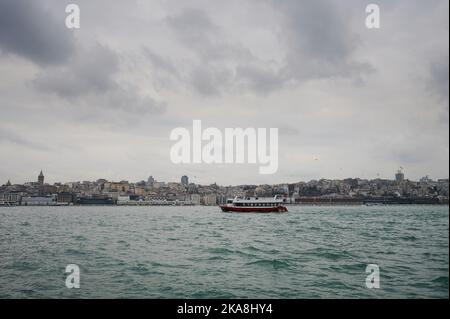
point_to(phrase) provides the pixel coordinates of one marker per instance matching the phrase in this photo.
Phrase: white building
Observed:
(9, 199)
(122, 199)
(209, 200)
(39, 201)
(195, 199)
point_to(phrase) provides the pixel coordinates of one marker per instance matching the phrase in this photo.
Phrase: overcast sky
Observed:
(101, 101)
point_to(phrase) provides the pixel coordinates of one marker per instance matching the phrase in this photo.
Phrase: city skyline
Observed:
(101, 101)
(350, 191)
(187, 179)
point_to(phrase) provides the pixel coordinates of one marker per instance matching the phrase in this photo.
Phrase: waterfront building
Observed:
(122, 199)
(96, 200)
(64, 198)
(195, 199)
(39, 200)
(209, 200)
(113, 194)
(10, 199)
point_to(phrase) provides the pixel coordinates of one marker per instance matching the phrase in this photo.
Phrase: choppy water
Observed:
(199, 252)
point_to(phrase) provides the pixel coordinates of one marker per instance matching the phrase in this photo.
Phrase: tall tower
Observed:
(41, 179)
(184, 180)
(41, 184)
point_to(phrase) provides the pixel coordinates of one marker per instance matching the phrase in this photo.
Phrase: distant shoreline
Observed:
(287, 204)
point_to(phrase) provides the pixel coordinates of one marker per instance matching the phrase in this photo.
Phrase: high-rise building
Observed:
(399, 177)
(184, 180)
(150, 181)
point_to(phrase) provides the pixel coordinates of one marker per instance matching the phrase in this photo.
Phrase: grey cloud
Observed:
(319, 39)
(129, 101)
(405, 154)
(318, 29)
(26, 29)
(437, 85)
(160, 62)
(89, 78)
(258, 61)
(194, 28)
(210, 80)
(315, 48)
(89, 71)
(15, 138)
(222, 65)
(439, 78)
(194, 23)
(259, 78)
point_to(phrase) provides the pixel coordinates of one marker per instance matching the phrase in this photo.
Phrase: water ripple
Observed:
(199, 252)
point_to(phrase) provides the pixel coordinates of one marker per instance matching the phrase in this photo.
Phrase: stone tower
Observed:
(41, 183)
(41, 179)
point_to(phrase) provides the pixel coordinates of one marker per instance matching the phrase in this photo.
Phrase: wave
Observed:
(441, 280)
(75, 252)
(219, 250)
(270, 263)
(409, 238)
(140, 269)
(329, 254)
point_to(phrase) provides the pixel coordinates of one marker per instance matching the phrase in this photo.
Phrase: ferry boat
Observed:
(254, 205)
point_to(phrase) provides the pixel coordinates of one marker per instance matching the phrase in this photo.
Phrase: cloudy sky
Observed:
(101, 101)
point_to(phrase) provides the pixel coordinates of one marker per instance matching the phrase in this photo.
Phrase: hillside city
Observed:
(152, 192)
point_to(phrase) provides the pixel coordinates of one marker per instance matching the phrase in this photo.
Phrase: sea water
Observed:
(200, 252)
